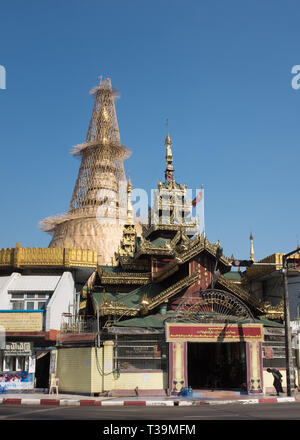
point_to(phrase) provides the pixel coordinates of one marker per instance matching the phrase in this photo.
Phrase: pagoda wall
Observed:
(88, 233)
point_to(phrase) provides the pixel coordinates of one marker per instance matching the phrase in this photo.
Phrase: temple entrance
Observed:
(217, 365)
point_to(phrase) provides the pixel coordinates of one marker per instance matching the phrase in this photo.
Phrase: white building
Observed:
(37, 288)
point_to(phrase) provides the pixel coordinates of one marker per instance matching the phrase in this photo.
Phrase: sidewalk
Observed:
(198, 399)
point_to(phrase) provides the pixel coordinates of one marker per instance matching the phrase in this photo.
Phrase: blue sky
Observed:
(220, 71)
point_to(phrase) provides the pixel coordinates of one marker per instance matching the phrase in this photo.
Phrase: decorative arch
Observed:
(212, 305)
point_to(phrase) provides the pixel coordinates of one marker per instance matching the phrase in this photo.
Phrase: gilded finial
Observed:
(168, 138)
(129, 203)
(129, 186)
(169, 156)
(144, 300)
(251, 247)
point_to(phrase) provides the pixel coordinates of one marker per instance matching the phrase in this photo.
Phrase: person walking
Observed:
(277, 380)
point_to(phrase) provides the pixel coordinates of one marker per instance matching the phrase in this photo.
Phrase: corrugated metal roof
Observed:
(38, 283)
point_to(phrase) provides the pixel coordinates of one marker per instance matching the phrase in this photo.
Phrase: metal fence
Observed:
(274, 348)
(78, 324)
(141, 352)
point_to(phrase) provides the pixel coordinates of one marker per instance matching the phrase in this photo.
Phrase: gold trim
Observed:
(272, 312)
(118, 308)
(58, 257)
(238, 291)
(169, 269)
(123, 277)
(254, 272)
(172, 290)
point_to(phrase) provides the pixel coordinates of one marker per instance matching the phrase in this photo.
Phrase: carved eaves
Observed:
(271, 312)
(241, 293)
(172, 290)
(107, 277)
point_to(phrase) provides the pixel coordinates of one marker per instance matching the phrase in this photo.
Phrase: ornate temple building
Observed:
(170, 314)
(108, 308)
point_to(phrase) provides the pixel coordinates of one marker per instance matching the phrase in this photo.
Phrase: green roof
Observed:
(153, 321)
(235, 276)
(161, 242)
(130, 299)
(158, 321)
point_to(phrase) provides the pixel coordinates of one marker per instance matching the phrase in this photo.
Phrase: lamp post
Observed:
(98, 327)
(288, 339)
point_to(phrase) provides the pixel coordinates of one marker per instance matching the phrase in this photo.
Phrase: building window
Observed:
(20, 363)
(29, 305)
(15, 363)
(141, 354)
(29, 301)
(17, 295)
(17, 305)
(42, 305)
(9, 363)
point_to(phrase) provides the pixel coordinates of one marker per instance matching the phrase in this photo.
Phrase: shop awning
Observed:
(40, 354)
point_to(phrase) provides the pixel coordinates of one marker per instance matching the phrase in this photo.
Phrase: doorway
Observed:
(42, 371)
(217, 365)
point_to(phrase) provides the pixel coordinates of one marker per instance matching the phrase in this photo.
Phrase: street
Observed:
(147, 422)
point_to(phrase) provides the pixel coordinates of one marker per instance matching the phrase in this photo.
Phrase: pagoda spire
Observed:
(101, 155)
(130, 219)
(128, 241)
(169, 173)
(98, 208)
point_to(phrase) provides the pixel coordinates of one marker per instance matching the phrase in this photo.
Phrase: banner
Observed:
(16, 380)
(21, 321)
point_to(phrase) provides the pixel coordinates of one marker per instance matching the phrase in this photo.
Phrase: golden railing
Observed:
(18, 257)
(254, 272)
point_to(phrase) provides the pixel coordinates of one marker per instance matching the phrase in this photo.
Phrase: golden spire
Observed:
(129, 203)
(251, 248)
(128, 241)
(169, 157)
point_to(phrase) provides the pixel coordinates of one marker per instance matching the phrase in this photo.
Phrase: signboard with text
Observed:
(21, 321)
(18, 348)
(177, 332)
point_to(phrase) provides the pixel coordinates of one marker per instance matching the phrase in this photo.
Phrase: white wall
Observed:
(4, 287)
(62, 298)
